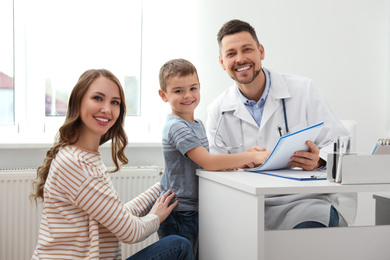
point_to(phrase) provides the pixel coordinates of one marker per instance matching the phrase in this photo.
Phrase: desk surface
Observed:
(382, 196)
(256, 184)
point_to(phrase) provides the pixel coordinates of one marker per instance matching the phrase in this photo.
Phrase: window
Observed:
(6, 64)
(56, 41)
(95, 35)
(65, 38)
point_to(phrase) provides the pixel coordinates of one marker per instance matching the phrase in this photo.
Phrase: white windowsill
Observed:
(31, 143)
(48, 145)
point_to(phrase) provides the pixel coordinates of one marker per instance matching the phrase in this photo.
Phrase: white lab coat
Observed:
(305, 106)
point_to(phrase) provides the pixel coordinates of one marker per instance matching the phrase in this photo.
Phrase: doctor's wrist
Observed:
(321, 163)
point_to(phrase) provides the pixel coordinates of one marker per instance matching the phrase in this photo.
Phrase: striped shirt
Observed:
(83, 217)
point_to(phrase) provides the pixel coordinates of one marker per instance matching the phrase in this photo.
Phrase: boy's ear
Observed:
(162, 95)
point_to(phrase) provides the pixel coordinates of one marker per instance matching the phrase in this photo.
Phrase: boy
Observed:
(185, 148)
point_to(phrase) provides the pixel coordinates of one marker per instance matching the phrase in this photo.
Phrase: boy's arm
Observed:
(225, 161)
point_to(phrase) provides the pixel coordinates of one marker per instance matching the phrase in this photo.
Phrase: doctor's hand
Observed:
(261, 157)
(307, 160)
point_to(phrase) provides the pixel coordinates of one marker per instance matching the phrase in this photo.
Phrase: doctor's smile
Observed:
(241, 69)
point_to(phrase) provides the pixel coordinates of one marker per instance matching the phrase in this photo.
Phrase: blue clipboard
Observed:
(287, 146)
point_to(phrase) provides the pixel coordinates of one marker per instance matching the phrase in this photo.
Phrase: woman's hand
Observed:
(162, 208)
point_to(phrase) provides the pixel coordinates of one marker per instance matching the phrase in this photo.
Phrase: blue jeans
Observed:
(333, 221)
(169, 248)
(182, 223)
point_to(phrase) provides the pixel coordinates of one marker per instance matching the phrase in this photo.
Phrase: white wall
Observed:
(342, 45)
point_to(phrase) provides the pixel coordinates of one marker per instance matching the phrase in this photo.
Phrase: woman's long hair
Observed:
(69, 132)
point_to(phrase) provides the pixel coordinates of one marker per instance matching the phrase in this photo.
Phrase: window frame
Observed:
(7, 129)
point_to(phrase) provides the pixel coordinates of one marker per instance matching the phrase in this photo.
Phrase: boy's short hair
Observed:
(233, 27)
(175, 68)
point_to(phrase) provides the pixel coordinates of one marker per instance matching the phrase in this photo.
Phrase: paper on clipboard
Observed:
(287, 145)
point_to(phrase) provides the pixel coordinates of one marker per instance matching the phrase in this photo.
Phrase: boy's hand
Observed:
(256, 148)
(162, 208)
(260, 158)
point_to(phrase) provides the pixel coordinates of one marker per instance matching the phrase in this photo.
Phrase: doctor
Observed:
(260, 107)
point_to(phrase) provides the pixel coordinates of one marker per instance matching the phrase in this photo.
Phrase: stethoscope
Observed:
(228, 148)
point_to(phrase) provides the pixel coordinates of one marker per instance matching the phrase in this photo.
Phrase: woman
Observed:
(83, 217)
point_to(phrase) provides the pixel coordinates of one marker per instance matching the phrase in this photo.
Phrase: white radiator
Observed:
(20, 217)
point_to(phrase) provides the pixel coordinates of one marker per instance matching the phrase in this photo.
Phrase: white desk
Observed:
(231, 222)
(382, 208)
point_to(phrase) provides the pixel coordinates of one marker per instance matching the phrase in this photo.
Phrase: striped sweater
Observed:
(83, 217)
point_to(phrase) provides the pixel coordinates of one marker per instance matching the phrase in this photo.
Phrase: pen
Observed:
(280, 131)
(348, 149)
(339, 161)
(334, 160)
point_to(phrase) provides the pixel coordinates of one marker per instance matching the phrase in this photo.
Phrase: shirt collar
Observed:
(265, 93)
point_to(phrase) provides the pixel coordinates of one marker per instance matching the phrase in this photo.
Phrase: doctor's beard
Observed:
(255, 74)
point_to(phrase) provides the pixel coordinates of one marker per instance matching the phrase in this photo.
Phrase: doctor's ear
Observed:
(221, 62)
(262, 52)
(162, 95)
